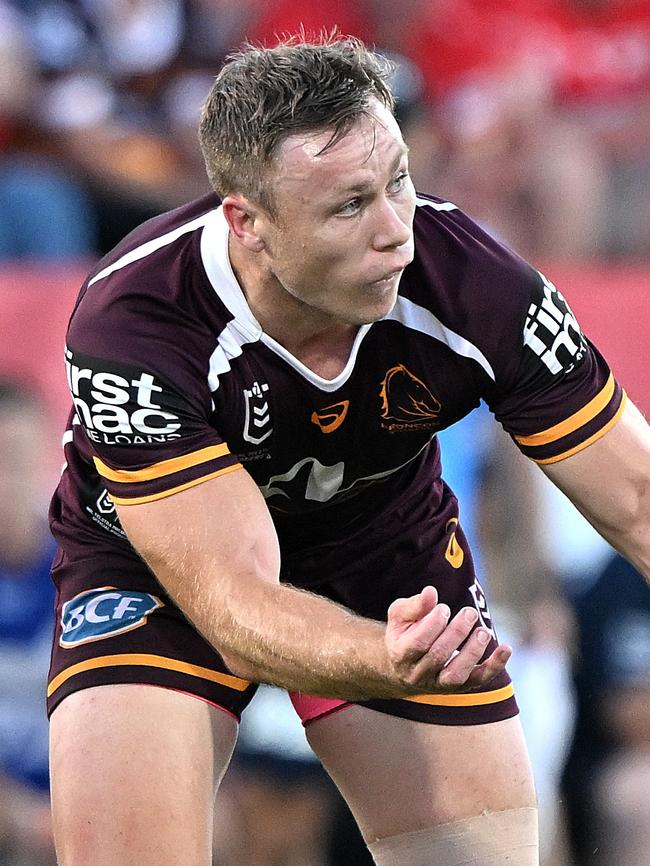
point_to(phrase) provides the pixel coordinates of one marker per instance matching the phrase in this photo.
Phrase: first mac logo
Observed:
(105, 612)
(119, 404)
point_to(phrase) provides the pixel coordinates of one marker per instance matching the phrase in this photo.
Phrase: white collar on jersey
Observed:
(214, 253)
(216, 261)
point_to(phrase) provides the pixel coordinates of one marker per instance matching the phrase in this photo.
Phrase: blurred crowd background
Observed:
(532, 115)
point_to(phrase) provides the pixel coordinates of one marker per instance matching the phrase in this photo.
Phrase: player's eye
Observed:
(350, 207)
(398, 183)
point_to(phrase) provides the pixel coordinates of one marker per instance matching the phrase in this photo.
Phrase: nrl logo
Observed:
(257, 423)
(406, 402)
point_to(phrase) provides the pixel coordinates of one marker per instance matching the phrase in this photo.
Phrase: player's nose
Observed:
(393, 228)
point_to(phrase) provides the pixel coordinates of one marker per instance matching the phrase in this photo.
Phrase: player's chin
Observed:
(378, 307)
(369, 304)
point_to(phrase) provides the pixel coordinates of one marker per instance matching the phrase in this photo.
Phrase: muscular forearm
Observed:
(291, 638)
(224, 577)
(301, 641)
(267, 632)
(294, 639)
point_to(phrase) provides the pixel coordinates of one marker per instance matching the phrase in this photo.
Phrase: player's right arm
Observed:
(214, 549)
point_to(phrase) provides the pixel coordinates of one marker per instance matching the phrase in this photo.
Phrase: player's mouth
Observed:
(389, 278)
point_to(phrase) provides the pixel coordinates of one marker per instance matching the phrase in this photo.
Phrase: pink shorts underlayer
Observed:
(310, 708)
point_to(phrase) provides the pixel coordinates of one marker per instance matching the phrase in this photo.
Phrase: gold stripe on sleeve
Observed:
(149, 661)
(476, 699)
(164, 493)
(165, 467)
(573, 422)
(588, 441)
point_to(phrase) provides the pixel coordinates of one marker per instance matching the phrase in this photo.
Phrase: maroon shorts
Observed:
(116, 624)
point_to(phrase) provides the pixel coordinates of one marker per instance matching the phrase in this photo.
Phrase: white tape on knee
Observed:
(491, 839)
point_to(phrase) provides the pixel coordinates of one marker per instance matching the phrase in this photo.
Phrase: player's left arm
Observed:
(609, 482)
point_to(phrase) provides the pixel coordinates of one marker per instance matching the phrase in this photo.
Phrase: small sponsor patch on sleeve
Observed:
(151, 438)
(120, 404)
(552, 332)
(561, 396)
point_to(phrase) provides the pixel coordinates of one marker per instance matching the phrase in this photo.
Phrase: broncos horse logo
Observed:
(406, 402)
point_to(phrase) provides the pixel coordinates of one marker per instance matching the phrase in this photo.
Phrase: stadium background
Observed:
(532, 115)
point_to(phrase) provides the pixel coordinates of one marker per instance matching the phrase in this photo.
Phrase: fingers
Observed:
(416, 639)
(414, 624)
(453, 636)
(405, 610)
(464, 669)
(434, 654)
(490, 668)
(427, 646)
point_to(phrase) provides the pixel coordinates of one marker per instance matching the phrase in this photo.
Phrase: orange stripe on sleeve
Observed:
(164, 493)
(588, 441)
(573, 422)
(150, 661)
(165, 467)
(467, 700)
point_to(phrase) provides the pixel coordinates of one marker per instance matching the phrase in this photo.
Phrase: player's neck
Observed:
(308, 333)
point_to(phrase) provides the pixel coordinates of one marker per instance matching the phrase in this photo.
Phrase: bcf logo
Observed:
(101, 613)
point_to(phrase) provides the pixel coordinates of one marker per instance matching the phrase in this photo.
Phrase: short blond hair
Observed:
(263, 95)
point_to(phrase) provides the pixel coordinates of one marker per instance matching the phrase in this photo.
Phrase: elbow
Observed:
(240, 668)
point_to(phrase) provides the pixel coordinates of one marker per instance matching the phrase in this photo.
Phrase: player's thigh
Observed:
(134, 772)
(400, 776)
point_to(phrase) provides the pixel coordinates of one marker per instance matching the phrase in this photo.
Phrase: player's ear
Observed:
(243, 218)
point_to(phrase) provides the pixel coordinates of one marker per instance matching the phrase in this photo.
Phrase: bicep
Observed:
(609, 482)
(214, 537)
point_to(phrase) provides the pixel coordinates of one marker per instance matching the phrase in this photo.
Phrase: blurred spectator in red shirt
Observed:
(541, 116)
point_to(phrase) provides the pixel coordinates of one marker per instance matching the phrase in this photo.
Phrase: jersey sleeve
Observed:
(554, 392)
(138, 372)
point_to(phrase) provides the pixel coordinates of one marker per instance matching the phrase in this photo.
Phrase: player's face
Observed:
(343, 232)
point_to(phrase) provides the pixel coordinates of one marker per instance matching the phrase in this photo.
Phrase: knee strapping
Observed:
(491, 839)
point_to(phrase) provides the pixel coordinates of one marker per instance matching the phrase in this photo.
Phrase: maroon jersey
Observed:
(175, 382)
